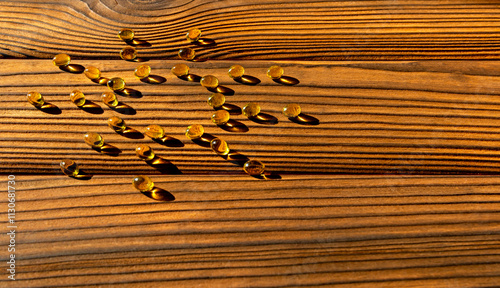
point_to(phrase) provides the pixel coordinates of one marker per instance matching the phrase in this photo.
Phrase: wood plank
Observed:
(256, 29)
(237, 231)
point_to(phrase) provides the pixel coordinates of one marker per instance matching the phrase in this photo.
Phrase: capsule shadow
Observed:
(248, 80)
(124, 109)
(169, 141)
(264, 118)
(206, 42)
(73, 68)
(234, 126)
(138, 43)
(163, 165)
(159, 194)
(204, 140)
(190, 78)
(129, 92)
(91, 107)
(101, 81)
(304, 119)
(154, 79)
(222, 89)
(82, 175)
(235, 157)
(232, 109)
(138, 59)
(287, 80)
(131, 133)
(108, 149)
(50, 108)
(268, 176)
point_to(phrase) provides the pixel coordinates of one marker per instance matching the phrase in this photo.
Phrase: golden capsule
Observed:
(154, 131)
(291, 110)
(143, 183)
(180, 70)
(69, 167)
(61, 59)
(93, 139)
(126, 34)
(92, 73)
(186, 54)
(219, 146)
(77, 97)
(116, 84)
(109, 98)
(128, 53)
(220, 117)
(193, 35)
(275, 72)
(254, 167)
(142, 71)
(144, 152)
(35, 99)
(251, 109)
(216, 100)
(194, 131)
(236, 71)
(116, 123)
(209, 81)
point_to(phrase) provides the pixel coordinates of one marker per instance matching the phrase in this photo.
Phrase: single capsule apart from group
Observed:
(291, 110)
(275, 72)
(93, 139)
(35, 99)
(142, 71)
(154, 131)
(128, 53)
(186, 54)
(69, 167)
(193, 35)
(236, 71)
(116, 123)
(144, 152)
(209, 81)
(92, 73)
(251, 109)
(126, 34)
(61, 59)
(220, 117)
(109, 98)
(194, 131)
(219, 146)
(216, 100)
(253, 167)
(180, 70)
(77, 97)
(143, 183)
(116, 84)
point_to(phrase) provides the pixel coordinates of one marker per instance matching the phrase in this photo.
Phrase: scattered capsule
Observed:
(251, 110)
(220, 117)
(209, 81)
(193, 35)
(69, 167)
(109, 98)
(236, 71)
(143, 183)
(144, 152)
(219, 146)
(142, 71)
(275, 72)
(154, 131)
(77, 97)
(35, 99)
(92, 73)
(93, 139)
(253, 167)
(186, 54)
(194, 131)
(116, 123)
(116, 84)
(61, 59)
(126, 34)
(291, 110)
(128, 53)
(216, 100)
(180, 70)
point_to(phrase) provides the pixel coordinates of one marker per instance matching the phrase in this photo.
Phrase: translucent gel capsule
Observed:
(116, 123)
(236, 71)
(154, 131)
(251, 110)
(193, 35)
(209, 81)
(69, 167)
(186, 54)
(35, 99)
(77, 97)
(216, 100)
(220, 117)
(128, 53)
(144, 152)
(116, 84)
(142, 71)
(61, 59)
(219, 146)
(143, 183)
(93, 139)
(109, 98)
(180, 70)
(194, 131)
(92, 73)
(126, 34)
(275, 72)
(291, 110)
(253, 167)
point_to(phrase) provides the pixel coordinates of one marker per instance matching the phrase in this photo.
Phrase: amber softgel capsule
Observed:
(92, 73)
(254, 167)
(128, 53)
(61, 59)
(251, 109)
(180, 70)
(236, 71)
(93, 139)
(219, 146)
(186, 54)
(209, 81)
(69, 167)
(193, 35)
(35, 99)
(144, 152)
(216, 100)
(116, 84)
(220, 117)
(142, 71)
(194, 131)
(126, 34)
(109, 98)
(77, 97)
(275, 72)
(116, 123)
(154, 131)
(143, 183)
(291, 110)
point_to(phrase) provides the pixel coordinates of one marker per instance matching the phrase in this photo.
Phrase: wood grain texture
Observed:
(236, 231)
(256, 29)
